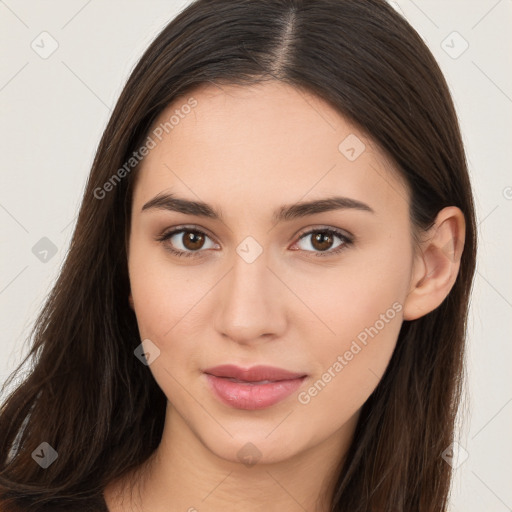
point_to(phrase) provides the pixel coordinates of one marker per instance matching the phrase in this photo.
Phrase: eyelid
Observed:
(185, 227)
(321, 227)
(301, 233)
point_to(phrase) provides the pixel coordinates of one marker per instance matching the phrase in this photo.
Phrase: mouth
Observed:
(254, 388)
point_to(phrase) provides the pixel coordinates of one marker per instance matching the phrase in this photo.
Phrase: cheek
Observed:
(167, 302)
(350, 361)
(362, 315)
(164, 293)
(354, 295)
(348, 375)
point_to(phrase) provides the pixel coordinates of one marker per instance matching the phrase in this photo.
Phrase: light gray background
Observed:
(54, 109)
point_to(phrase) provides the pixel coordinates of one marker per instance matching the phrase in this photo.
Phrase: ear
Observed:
(130, 300)
(436, 263)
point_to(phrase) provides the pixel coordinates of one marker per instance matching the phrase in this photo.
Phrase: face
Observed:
(259, 278)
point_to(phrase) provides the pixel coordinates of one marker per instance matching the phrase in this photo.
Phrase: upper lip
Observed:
(253, 374)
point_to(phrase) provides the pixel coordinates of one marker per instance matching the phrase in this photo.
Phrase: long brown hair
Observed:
(88, 396)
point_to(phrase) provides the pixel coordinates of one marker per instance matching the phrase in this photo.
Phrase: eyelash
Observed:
(346, 241)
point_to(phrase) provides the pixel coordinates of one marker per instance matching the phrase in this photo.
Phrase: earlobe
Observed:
(437, 265)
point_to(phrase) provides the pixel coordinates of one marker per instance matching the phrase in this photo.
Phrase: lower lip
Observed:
(252, 396)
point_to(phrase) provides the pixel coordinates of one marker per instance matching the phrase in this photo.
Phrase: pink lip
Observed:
(238, 387)
(254, 374)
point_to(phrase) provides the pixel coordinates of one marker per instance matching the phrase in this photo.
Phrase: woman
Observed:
(265, 298)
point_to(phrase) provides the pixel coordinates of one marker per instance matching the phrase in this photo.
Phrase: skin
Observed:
(247, 151)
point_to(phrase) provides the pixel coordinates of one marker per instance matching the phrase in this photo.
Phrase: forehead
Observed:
(264, 144)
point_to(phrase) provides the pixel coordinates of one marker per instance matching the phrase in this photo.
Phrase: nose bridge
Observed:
(249, 304)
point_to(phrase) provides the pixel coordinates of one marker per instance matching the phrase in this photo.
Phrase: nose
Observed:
(251, 302)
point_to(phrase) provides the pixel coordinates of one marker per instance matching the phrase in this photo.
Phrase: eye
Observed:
(185, 241)
(322, 240)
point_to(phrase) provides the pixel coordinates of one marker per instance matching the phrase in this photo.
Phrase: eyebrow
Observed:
(169, 202)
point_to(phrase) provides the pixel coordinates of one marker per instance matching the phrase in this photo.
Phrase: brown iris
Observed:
(193, 240)
(321, 240)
